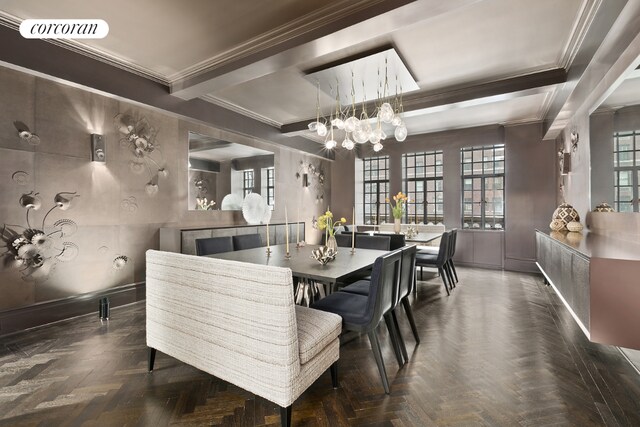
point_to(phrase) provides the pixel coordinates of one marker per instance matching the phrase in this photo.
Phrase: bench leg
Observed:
(285, 416)
(334, 375)
(152, 358)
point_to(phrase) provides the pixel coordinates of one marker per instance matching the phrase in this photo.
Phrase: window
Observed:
(376, 189)
(424, 185)
(483, 187)
(247, 182)
(271, 182)
(626, 165)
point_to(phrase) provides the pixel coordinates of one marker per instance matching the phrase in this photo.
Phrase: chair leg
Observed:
(375, 347)
(285, 416)
(394, 338)
(444, 280)
(152, 358)
(453, 268)
(412, 322)
(403, 347)
(334, 375)
(447, 270)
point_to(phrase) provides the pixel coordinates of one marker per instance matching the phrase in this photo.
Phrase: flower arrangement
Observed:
(203, 205)
(326, 223)
(400, 199)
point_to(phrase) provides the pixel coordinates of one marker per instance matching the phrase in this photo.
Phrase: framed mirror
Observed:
(222, 173)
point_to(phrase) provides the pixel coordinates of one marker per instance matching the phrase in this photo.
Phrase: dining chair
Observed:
(436, 260)
(452, 252)
(246, 241)
(396, 241)
(381, 243)
(363, 313)
(343, 240)
(405, 285)
(214, 245)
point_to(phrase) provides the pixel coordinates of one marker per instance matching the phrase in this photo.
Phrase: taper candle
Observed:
(268, 236)
(298, 228)
(286, 227)
(353, 230)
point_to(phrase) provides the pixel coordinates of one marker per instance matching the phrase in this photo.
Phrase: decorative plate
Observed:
(231, 202)
(254, 208)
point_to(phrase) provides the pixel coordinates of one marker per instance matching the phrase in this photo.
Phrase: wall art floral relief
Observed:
(140, 137)
(36, 247)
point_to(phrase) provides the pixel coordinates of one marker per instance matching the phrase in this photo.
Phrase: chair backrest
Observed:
(443, 251)
(373, 242)
(383, 289)
(214, 245)
(246, 241)
(408, 270)
(452, 242)
(397, 241)
(343, 240)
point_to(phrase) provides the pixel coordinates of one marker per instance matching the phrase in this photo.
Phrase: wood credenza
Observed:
(598, 279)
(183, 239)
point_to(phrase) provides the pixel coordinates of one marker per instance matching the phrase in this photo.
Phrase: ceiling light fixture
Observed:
(387, 109)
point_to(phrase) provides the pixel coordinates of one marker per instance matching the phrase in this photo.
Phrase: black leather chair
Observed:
(246, 241)
(343, 240)
(362, 313)
(406, 283)
(437, 260)
(397, 241)
(364, 241)
(214, 245)
(452, 252)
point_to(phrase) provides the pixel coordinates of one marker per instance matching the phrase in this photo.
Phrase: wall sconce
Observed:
(98, 153)
(565, 162)
(305, 180)
(575, 137)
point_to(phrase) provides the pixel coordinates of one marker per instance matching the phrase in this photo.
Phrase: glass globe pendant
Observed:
(400, 133)
(386, 113)
(348, 144)
(377, 147)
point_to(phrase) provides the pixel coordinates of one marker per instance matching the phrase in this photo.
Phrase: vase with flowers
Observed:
(326, 223)
(397, 210)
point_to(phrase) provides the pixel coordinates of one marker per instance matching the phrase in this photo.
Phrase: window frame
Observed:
(248, 181)
(484, 175)
(425, 178)
(381, 192)
(271, 186)
(633, 169)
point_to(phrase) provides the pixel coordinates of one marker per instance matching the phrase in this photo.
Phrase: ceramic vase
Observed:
(396, 225)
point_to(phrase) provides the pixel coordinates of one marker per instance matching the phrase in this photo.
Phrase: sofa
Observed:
(238, 322)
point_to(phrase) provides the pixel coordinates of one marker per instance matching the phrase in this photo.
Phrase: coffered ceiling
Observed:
(476, 62)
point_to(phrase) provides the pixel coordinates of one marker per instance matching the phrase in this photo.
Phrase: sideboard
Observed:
(183, 239)
(597, 277)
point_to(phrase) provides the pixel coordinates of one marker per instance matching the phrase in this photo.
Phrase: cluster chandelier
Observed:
(362, 128)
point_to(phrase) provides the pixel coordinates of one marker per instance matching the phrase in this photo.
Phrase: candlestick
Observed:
(286, 231)
(353, 231)
(298, 229)
(268, 245)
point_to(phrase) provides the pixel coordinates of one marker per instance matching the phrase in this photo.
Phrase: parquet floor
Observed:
(501, 351)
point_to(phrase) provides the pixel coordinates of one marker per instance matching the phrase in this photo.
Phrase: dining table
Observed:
(311, 275)
(416, 238)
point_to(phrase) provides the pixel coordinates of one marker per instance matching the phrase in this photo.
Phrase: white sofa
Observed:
(238, 322)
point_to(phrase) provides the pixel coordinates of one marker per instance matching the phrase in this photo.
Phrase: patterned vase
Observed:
(556, 225)
(566, 213)
(603, 207)
(397, 222)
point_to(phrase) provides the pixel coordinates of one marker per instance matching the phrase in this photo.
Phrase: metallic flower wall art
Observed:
(25, 133)
(140, 138)
(37, 248)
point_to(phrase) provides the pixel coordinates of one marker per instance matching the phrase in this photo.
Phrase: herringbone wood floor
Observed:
(501, 351)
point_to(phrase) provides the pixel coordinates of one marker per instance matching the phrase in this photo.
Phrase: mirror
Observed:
(223, 173)
(614, 133)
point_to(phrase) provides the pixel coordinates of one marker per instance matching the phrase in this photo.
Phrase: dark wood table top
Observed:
(418, 238)
(303, 265)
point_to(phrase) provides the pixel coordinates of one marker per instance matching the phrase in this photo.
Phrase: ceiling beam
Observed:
(514, 87)
(369, 26)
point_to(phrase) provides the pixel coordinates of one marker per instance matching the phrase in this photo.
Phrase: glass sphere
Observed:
(321, 129)
(401, 133)
(397, 120)
(339, 123)
(351, 123)
(313, 126)
(377, 147)
(383, 135)
(374, 138)
(360, 136)
(386, 113)
(330, 144)
(347, 143)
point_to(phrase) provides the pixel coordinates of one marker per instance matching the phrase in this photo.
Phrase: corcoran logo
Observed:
(64, 29)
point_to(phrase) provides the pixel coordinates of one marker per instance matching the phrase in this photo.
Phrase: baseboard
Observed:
(477, 265)
(22, 318)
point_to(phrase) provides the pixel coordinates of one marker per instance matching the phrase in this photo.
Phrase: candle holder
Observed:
(268, 252)
(353, 251)
(287, 255)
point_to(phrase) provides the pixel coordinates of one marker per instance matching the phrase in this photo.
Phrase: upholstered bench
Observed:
(238, 322)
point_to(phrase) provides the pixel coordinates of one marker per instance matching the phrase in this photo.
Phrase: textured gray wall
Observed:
(114, 214)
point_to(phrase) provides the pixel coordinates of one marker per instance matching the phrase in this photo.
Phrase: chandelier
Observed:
(363, 127)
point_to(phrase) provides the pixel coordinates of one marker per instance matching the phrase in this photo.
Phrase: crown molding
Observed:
(579, 30)
(13, 22)
(302, 25)
(240, 110)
